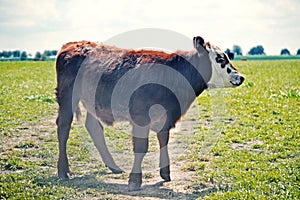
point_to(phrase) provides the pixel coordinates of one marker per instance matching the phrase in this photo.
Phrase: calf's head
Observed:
(223, 73)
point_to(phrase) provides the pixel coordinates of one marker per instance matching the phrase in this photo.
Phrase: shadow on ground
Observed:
(119, 188)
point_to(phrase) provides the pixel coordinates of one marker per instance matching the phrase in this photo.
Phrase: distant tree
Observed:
(53, 52)
(1, 54)
(258, 50)
(37, 56)
(227, 51)
(285, 52)
(4, 54)
(298, 52)
(47, 53)
(7, 54)
(44, 57)
(16, 54)
(23, 55)
(237, 50)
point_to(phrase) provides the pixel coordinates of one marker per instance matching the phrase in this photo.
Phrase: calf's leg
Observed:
(164, 160)
(140, 148)
(95, 130)
(63, 121)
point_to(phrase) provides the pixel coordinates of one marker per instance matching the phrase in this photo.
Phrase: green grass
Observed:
(26, 95)
(255, 156)
(27, 100)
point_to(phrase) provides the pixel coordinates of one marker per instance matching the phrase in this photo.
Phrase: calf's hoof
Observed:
(63, 169)
(63, 172)
(135, 182)
(165, 173)
(63, 175)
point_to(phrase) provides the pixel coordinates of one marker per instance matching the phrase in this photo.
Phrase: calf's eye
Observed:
(219, 59)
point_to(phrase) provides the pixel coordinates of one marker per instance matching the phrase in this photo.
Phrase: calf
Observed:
(150, 89)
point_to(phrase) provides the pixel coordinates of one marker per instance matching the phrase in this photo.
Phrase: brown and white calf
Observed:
(150, 89)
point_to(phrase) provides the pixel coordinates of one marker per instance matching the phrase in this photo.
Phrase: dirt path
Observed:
(153, 187)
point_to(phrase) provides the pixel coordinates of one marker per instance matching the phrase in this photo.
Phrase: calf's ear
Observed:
(198, 42)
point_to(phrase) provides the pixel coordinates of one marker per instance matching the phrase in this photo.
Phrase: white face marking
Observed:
(223, 73)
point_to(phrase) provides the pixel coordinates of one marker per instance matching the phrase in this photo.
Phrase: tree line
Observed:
(51, 54)
(257, 50)
(23, 55)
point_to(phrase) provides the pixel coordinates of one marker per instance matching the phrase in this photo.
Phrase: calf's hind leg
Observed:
(164, 160)
(140, 148)
(63, 121)
(95, 130)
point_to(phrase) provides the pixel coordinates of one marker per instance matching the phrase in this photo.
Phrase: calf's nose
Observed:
(242, 78)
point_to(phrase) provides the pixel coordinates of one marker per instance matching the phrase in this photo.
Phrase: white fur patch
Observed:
(220, 78)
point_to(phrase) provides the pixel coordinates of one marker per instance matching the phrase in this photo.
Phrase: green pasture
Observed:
(256, 154)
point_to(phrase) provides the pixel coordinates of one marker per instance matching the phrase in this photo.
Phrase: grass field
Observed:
(256, 156)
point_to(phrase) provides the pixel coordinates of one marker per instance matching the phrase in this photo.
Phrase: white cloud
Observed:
(30, 24)
(28, 12)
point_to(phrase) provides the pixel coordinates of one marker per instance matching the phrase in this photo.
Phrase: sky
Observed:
(34, 25)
